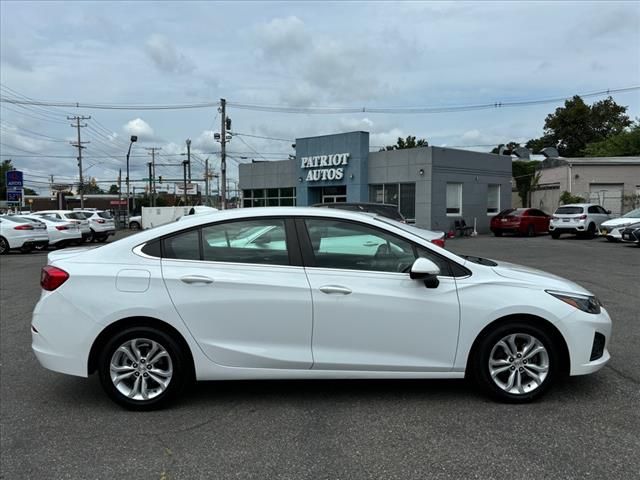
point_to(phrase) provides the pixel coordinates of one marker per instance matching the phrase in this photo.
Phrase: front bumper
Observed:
(579, 331)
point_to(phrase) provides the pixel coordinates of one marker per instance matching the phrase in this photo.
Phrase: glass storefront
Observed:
(269, 197)
(401, 194)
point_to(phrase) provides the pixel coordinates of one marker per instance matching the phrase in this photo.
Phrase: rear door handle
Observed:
(329, 289)
(190, 279)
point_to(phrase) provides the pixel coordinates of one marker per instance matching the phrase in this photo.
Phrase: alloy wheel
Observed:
(518, 363)
(141, 369)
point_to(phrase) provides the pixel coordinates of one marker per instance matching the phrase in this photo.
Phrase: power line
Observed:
(259, 136)
(313, 109)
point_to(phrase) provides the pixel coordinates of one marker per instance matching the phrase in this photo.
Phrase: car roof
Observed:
(580, 205)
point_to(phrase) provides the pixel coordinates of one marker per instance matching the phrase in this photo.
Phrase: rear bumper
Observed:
(36, 243)
(569, 229)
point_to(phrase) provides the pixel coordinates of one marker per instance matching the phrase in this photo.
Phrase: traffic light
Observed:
(159, 178)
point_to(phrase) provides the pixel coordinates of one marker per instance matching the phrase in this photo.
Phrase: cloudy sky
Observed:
(344, 54)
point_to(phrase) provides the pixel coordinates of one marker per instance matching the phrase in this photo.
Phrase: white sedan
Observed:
(612, 229)
(299, 293)
(21, 233)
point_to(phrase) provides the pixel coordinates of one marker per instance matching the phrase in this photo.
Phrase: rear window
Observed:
(569, 210)
(514, 212)
(106, 215)
(389, 212)
(14, 219)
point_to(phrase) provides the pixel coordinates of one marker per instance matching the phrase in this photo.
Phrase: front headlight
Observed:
(586, 303)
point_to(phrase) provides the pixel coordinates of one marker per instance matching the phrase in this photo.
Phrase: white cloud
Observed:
(165, 55)
(283, 37)
(140, 128)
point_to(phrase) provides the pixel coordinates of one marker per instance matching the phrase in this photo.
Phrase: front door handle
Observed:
(190, 279)
(329, 289)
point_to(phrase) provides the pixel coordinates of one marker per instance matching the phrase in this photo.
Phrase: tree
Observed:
(114, 190)
(409, 142)
(91, 187)
(572, 127)
(624, 144)
(30, 191)
(5, 166)
(524, 173)
(508, 150)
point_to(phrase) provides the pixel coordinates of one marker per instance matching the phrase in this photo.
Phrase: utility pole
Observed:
(80, 147)
(223, 154)
(184, 185)
(152, 174)
(150, 197)
(206, 181)
(189, 159)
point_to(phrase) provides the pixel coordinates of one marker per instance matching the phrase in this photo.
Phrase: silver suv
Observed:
(101, 223)
(582, 219)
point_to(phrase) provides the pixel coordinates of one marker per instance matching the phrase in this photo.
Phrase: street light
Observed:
(133, 139)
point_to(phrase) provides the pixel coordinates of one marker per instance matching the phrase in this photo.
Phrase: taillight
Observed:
(23, 227)
(439, 242)
(52, 277)
(62, 227)
(100, 220)
(582, 217)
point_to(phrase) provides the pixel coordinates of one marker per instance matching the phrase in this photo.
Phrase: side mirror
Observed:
(608, 212)
(423, 268)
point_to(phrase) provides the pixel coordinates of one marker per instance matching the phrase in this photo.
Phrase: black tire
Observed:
(26, 249)
(531, 231)
(4, 246)
(555, 235)
(101, 238)
(90, 237)
(134, 226)
(591, 231)
(178, 362)
(497, 233)
(610, 239)
(479, 362)
(41, 248)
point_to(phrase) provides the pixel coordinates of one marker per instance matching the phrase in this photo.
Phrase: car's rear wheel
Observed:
(26, 249)
(4, 246)
(142, 368)
(497, 233)
(101, 238)
(516, 362)
(90, 237)
(555, 235)
(591, 231)
(531, 231)
(134, 226)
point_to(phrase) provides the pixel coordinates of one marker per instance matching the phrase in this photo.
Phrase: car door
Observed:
(246, 300)
(368, 314)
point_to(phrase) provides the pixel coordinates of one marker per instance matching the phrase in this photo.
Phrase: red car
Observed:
(522, 221)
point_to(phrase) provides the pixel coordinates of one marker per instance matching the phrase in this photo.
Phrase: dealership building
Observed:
(432, 186)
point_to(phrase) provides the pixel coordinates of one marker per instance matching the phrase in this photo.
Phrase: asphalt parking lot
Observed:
(55, 426)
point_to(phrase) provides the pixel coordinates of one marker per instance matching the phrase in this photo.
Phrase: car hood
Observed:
(616, 222)
(538, 277)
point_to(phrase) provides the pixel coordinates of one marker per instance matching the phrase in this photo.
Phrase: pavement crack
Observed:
(623, 375)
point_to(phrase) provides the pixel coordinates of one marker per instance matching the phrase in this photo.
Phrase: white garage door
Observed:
(607, 195)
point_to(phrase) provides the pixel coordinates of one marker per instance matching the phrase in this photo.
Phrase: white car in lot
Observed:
(18, 233)
(72, 217)
(612, 229)
(101, 224)
(61, 233)
(583, 219)
(301, 293)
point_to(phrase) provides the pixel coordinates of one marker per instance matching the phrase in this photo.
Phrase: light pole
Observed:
(133, 139)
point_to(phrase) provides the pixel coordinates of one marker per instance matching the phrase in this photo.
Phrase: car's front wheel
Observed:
(142, 368)
(516, 362)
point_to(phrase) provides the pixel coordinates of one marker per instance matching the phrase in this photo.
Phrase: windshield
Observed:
(569, 210)
(632, 214)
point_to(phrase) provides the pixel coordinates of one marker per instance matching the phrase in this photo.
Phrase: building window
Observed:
(401, 194)
(269, 197)
(493, 199)
(454, 199)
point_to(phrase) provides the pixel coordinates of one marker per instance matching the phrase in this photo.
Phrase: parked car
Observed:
(72, 217)
(323, 294)
(61, 232)
(520, 221)
(101, 224)
(612, 229)
(384, 209)
(135, 222)
(18, 233)
(631, 234)
(583, 219)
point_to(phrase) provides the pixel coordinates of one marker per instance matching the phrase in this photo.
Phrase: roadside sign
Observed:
(14, 195)
(192, 189)
(14, 178)
(118, 202)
